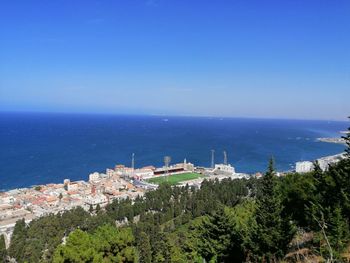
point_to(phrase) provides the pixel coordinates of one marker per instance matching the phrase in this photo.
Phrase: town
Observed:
(101, 189)
(121, 182)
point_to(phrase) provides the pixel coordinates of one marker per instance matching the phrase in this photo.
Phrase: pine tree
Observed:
(345, 169)
(18, 241)
(347, 141)
(3, 252)
(317, 171)
(217, 239)
(338, 228)
(336, 196)
(330, 213)
(145, 248)
(333, 186)
(273, 232)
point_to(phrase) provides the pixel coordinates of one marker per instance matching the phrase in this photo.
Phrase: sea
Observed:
(41, 148)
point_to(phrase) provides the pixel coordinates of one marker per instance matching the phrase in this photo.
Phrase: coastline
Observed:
(102, 188)
(332, 140)
(48, 148)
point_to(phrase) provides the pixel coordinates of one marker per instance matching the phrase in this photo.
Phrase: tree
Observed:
(91, 209)
(161, 248)
(331, 210)
(347, 141)
(3, 252)
(338, 229)
(218, 238)
(98, 208)
(18, 241)
(114, 245)
(78, 248)
(297, 192)
(273, 232)
(107, 244)
(145, 250)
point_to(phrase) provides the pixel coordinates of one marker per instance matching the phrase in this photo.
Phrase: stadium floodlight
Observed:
(167, 160)
(212, 158)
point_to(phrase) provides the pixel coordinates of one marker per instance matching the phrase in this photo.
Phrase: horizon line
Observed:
(172, 115)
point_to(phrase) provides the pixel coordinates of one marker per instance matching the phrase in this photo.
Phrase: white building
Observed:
(324, 162)
(72, 186)
(144, 173)
(328, 160)
(97, 199)
(304, 167)
(188, 166)
(94, 177)
(123, 171)
(110, 172)
(224, 168)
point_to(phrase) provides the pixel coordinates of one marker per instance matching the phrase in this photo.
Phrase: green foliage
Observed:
(145, 250)
(338, 191)
(3, 251)
(218, 240)
(297, 193)
(338, 229)
(115, 245)
(79, 248)
(347, 141)
(98, 208)
(274, 232)
(36, 242)
(107, 244)
(330, 211)
(242, 219)
(18, 241)
(184, 242)
(214, 236)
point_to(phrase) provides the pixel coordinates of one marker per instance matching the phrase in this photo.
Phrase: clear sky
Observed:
(280, 59)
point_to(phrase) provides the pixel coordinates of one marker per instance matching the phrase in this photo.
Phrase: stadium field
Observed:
(174, 179)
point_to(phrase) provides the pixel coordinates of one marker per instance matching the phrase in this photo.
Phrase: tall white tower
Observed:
(167, 160)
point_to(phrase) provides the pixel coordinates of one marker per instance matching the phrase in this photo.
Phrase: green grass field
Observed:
(174, 179)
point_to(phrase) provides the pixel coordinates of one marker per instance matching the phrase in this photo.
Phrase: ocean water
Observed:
(38, 148)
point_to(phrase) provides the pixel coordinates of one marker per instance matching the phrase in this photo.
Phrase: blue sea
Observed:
(38, 148)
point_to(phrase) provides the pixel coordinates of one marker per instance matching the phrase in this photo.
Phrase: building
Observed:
(304, 167)
(224, 168)
(328, 160)
(143, 173)
(110, 173)
(324, 163)
(94, 177)
(188, 166)
(122, 170)
(72, 186)
(97, 199)
(176, 168)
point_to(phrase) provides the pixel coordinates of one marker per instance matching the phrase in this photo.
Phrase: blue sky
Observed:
(279, 59)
